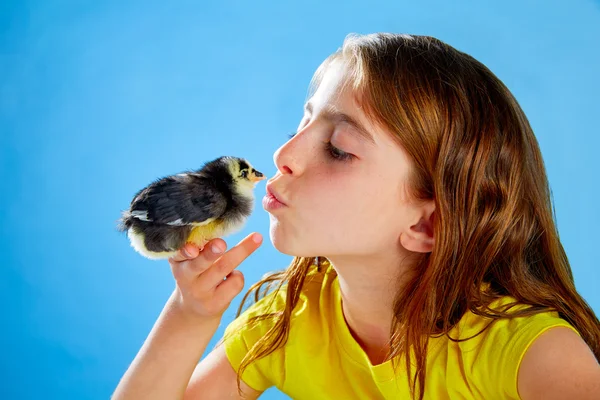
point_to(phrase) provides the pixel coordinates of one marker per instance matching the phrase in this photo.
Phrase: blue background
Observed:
(99, 98)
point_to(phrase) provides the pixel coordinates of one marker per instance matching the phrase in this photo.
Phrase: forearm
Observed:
(165, 363)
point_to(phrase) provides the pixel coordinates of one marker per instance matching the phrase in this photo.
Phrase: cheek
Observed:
(341, 216)
(345, 199)
(375, 207)
(332, 192)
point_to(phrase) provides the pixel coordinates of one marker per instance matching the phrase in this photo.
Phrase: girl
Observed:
(427, 262)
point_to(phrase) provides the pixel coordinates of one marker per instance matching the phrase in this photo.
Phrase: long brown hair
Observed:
(474, 153)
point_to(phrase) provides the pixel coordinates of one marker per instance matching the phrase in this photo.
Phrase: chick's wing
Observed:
(179, 200)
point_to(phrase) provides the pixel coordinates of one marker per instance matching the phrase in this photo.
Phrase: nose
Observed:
(288, 158)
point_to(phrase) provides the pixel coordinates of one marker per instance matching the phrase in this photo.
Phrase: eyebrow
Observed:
(332, 114)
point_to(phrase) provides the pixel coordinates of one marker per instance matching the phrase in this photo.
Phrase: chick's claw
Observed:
(200, 245)
(204, 242)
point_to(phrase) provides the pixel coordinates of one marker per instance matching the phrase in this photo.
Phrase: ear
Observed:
(419, 237)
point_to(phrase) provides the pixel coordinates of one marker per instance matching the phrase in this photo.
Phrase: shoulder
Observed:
(559, 365)
(507, 344)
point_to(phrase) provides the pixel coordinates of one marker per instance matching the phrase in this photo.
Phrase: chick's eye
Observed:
(244, 174)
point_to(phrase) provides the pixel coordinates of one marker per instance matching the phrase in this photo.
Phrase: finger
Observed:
(189, 269)
(229, 288)
(229, 261)
(188, 251)
(212, 250)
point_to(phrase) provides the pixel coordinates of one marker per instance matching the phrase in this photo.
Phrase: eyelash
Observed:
(332, 151)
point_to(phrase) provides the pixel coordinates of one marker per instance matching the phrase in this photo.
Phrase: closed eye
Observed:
(332, 151)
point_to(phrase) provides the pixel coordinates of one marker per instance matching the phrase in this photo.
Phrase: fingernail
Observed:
(216, 249)
(185, 252)
(257, 237)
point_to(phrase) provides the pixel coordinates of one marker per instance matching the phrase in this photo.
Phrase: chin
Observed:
(291, 246)
(285, 247)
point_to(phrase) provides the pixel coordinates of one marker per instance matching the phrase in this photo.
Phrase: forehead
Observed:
(333, 88)
(335, 92)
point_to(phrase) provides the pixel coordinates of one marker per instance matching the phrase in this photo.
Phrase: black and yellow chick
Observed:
(195, 207)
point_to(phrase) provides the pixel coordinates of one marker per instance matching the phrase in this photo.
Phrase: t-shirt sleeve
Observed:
(239, 337)
(518, 345)
(496, 369)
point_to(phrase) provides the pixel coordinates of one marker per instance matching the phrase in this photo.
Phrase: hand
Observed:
(201, 290)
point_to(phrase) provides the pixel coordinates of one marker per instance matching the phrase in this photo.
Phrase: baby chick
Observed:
(195, 207)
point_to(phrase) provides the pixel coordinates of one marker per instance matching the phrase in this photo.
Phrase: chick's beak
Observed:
(257, 176)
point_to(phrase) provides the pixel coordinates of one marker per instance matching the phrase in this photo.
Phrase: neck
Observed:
(368, 289)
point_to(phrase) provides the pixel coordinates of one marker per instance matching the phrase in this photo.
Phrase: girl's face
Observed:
(342, 178)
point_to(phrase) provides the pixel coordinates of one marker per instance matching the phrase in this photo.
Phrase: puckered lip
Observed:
(273, 192)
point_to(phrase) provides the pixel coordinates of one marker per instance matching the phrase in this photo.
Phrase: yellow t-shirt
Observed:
(322, 360)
